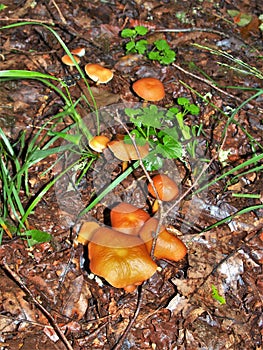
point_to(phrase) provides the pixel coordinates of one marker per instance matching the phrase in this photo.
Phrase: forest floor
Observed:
(212, 299)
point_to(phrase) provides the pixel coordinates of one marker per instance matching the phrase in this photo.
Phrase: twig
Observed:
(7, 19)
(188, 30)
(208, 82)
(63, 20)
(51, 320)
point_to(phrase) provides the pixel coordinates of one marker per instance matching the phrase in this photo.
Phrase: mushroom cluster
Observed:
(122, 253)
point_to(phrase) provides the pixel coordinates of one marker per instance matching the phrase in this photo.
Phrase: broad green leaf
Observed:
(141, 46)
(193, 109)
(162, 45)
(182, 101)
(170, 148)
(37, 236)
(128, 33)
(154, 55)
(141, 30)
(130, 46)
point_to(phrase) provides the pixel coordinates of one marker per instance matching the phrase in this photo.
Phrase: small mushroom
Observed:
(166, 188)
(168, 246)
(99, 143)
(149, 89)
(69, 62)
(127, 218)
(127, 151)
(122, 260)
(78, 51)
(98, 73)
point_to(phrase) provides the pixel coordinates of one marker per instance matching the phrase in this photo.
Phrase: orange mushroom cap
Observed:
(149, 89)
(127, 151)
(86, 231)
(167, 245)
(127, 218)
(68, 61)
(166, 188)
(98, 73)
(99, 143)
(123, 261)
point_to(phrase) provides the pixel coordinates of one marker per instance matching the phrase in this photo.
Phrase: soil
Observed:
(212, 299)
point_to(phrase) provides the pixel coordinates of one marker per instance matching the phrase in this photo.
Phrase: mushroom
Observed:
(69, 62)
(168, 246)
(149, 89)
(98, 73)
(78, 51)
(127, 151)
(123, 261)
(127, 218)
(99, 143)
(86, 231)
(166, 188)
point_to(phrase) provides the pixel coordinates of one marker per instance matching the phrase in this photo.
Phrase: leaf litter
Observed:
(210, 300)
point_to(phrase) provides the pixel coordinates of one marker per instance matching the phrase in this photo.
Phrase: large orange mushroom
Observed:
(122, 260)
(168, 246)
(127, 151)
(127, 218)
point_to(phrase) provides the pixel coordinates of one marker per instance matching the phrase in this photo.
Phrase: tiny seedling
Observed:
(217, 296)
(158, 51)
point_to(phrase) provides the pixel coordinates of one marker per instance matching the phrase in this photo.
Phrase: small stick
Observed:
(188, 30)
(59, 12)
(50, 318)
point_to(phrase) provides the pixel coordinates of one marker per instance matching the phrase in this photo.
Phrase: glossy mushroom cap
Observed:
(99, 143)
(149, 89)
(123, 261)
(98, 73)
(78, 52)
(86, 231)
(127, 218)
(166, 188)
(168, 246)
(127, 151)
(68, 61)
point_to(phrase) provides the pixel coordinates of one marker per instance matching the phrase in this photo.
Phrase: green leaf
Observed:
(217, 296)
(149, 117)
(36, 237)
(141, 30)
(172, 112)
(139, 140)
(153, 161)
(170, 149)
(130, 46)
(182, 101)
(168, 57)
(141, 46)
(2, 7)
(193, 109)
(131, 112)
(128, 33)
(162, 45)
(233, 13)
(154, 56)
(172, 132)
